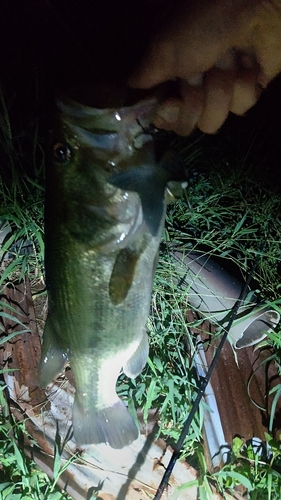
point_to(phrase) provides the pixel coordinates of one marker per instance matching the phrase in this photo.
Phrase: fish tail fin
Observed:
(53, 358)
(112, 425)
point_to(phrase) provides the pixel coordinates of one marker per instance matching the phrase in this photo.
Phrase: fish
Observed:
(104, 218)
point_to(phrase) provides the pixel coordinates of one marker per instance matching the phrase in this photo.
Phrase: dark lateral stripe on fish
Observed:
(122, 275)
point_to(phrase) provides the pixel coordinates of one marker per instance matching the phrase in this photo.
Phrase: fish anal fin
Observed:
(113, 425)
(53, 358)
(122, 275)
(138, 360)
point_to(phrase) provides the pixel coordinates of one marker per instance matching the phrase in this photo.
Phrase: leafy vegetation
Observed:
(20, 478)
(228, 214)
(22, 194)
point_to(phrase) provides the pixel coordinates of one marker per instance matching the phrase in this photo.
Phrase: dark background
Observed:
(49, 46)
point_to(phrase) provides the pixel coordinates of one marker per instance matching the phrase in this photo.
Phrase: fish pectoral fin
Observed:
(150, 184)
(122, 275)
(112, 425)
(138, 360)
(53, 358)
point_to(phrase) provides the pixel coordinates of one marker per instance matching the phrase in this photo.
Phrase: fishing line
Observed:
(202, 388)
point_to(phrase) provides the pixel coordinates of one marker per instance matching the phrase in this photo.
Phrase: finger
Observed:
(192, 106)
(189, 42)
(219, 84)
(167, 116)
(181, 115)
(266, 39)
(246, 91)
(181, 49)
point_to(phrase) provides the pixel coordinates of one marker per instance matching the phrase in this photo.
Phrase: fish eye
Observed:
(62, 152)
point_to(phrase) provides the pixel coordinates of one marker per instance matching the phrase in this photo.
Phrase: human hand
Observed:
(222, 54)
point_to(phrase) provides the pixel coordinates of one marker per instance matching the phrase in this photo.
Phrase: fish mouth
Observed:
(112, 146)
(116, 133)
(77, 112)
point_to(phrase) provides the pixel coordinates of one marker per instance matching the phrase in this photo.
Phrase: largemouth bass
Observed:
(105, 209)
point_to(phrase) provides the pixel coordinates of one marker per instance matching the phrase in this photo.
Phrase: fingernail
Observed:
(168, 113)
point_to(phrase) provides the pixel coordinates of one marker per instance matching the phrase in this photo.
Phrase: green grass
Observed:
(22, 195)
(224, 211)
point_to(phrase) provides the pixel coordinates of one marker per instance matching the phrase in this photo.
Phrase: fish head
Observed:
(75, 180)
(89, 147)
(114, 134)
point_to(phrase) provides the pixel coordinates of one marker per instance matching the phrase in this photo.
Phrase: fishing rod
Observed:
(202, 388)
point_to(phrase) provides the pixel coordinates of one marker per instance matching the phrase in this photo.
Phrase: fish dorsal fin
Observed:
(122, 275)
